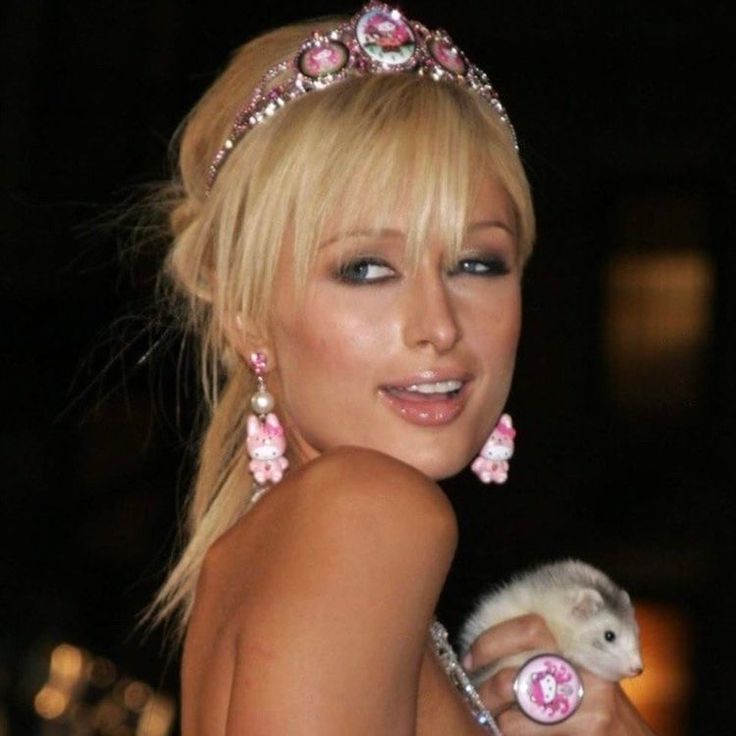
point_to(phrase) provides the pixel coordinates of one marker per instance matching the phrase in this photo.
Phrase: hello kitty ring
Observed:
(548, 689)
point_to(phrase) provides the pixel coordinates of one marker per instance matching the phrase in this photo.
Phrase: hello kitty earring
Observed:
(266, 441)
(492, 465)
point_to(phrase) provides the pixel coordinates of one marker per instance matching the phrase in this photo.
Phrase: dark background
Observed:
(623, 115)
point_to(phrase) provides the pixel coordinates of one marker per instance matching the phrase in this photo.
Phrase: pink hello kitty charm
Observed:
(548, 689)
(386, 37)
(492, 465)
(266, 443)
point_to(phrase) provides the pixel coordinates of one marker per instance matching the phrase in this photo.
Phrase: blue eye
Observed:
(365, 271)
(483, 266)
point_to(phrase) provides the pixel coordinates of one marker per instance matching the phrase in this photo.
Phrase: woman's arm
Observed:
(605, 710)
(314, 610)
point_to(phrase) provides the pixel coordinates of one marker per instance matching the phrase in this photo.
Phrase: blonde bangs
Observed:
(409, 144)
(353, 156)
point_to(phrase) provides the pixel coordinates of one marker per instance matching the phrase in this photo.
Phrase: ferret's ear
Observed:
(586, 602)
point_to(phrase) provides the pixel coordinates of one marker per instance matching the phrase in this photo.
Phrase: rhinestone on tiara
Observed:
(378, 39)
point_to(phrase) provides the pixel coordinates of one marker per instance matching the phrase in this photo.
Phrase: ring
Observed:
(548, 689)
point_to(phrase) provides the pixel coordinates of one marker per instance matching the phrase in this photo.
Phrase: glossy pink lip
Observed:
(422, 410)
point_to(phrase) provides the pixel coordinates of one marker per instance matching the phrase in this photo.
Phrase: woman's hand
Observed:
(605, 710)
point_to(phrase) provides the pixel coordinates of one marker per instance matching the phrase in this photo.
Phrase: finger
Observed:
(497, 692)
(513, 722)
(520, 634)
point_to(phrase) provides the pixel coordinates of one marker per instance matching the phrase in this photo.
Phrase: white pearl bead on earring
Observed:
(262, 402)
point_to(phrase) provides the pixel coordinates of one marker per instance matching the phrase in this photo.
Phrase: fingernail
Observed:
(468, 661)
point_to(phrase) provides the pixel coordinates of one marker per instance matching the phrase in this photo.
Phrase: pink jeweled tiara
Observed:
(378, 39)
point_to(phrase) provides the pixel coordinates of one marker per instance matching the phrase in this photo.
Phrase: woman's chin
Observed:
(434, 465)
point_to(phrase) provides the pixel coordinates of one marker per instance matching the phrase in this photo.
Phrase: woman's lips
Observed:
(425, 409)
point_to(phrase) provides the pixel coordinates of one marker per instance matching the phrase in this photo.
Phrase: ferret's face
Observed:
(609, 648)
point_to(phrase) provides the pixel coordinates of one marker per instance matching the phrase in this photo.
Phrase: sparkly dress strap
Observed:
(459, 678)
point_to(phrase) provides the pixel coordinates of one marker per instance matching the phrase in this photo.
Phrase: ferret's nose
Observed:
(636, 670)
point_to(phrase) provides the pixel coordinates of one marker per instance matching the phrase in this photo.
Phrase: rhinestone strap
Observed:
(460, 679)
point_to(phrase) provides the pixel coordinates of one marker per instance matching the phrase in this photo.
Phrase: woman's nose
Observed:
(430, 315)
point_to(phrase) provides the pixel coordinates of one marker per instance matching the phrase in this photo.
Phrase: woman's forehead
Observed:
(397, 217)
(400, 236)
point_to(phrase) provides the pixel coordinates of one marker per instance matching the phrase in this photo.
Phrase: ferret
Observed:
(591, 618)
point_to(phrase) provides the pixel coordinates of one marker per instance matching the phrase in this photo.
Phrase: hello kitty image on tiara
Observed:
(447, 55)
(324, 60)
(376, 40)
(386, 37)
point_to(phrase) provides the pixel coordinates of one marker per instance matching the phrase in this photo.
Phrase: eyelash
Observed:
(345, 271)
(489, 267)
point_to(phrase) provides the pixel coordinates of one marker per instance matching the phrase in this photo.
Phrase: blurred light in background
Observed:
(84, 696)
(67, 665)
(103, 673)
(50, 702)
(659, 295)
(662, 692)
(136, 695)
(657, 327)
(157, 716)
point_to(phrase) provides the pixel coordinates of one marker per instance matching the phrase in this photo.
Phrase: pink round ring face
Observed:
(323, 60)
(548, 689)
(447, 55)
(386, 37)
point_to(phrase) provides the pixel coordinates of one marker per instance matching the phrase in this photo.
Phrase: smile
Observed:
(431, 389)
(427, 404)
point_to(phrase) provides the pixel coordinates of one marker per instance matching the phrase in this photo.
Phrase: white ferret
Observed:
(591, 618)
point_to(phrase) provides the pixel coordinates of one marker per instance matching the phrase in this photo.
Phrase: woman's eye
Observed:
(483, 266)
(365, 270)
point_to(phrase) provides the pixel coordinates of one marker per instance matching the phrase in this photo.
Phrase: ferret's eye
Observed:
(609, 635)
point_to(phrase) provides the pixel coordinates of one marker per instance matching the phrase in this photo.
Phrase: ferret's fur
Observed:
(579, 604)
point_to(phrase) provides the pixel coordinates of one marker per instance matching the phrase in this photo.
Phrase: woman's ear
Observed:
(246, 339)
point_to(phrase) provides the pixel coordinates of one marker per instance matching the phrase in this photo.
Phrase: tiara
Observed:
(378, 39)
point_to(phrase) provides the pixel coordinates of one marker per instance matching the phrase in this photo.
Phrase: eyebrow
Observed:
(491, 223)
(381, 232)
(388, 232)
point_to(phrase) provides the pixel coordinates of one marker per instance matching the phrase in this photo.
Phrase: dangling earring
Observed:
(266, 441)
(492, 465)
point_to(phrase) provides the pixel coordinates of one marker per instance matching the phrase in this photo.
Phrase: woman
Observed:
(351, 225)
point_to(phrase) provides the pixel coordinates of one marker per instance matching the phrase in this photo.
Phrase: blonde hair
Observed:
(354, 151)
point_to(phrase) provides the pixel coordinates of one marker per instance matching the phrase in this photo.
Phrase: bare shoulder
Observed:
(339, 566)
(370, 482)
(344, 514)
(349, 496)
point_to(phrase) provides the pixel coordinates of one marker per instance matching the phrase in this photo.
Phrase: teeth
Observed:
(440, 387)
